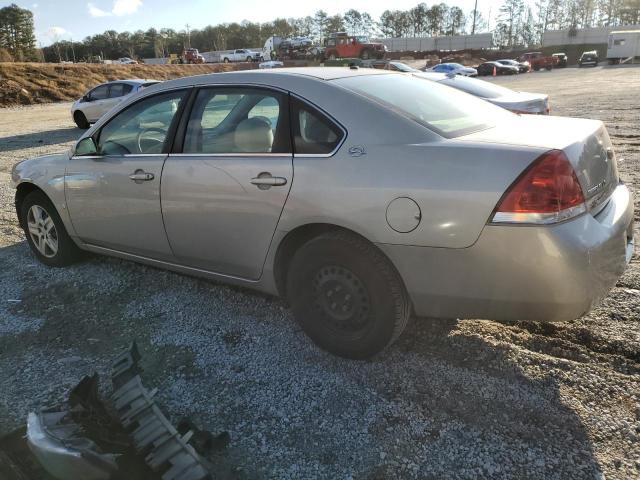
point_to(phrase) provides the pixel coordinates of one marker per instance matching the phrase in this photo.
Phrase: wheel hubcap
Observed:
(341, 299)
(42, 231)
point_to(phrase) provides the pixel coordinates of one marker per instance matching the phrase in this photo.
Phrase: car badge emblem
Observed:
(357, 151)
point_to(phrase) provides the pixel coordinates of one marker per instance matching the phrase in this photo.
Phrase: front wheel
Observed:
(226, 60)
(81, 120)
(346, 295)
(45, 232)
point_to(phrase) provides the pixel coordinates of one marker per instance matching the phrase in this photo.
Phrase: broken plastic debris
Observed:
(56, 441)
(89, 441)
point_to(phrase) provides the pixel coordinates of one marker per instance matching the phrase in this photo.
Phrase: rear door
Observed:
(224, 191)
(113, 195)
(117, 91)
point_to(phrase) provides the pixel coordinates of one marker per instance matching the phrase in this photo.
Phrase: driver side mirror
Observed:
(86, 146)
(86, 98)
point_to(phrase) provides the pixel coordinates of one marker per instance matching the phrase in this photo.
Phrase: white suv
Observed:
(104, 97)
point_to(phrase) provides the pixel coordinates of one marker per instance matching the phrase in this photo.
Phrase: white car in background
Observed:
(126, 61)
(516, 102)
(99, 100)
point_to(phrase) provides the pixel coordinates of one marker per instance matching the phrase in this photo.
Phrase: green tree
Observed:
(16, 33)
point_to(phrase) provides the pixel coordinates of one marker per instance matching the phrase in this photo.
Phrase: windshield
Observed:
(479, 88)
(447, 111)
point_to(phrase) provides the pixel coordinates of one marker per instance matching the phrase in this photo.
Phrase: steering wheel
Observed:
(153, 138)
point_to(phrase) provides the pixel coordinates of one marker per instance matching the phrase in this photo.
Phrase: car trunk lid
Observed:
(523, 102)
(586, 144)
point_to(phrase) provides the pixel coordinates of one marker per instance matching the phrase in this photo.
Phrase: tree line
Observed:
(517, 24)
(520, 24)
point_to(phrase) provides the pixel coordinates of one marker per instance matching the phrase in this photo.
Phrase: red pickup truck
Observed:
(538, 61)
(341, 45)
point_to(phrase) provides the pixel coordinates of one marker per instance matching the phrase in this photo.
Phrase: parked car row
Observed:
(517, 102)
(498, 67)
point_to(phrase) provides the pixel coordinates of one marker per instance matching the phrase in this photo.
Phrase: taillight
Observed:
(546, 192)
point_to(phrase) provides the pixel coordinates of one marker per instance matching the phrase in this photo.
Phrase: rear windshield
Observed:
(449, 112)
(479, 88)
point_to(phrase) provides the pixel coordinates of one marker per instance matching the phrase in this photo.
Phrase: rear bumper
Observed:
(523, 272)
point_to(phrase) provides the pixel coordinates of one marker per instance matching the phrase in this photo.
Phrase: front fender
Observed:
(47, 174)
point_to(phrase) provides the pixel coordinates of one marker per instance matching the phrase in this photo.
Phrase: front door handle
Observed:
(265, 181)
(140, 176)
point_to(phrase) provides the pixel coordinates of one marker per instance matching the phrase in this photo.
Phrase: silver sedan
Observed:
(517, 102)
(361, 196)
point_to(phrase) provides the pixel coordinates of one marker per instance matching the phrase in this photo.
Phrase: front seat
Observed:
(254, 135)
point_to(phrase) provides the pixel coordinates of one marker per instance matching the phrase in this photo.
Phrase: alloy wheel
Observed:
(42, 231)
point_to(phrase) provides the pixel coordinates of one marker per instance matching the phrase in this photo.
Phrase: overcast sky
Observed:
(78, 18)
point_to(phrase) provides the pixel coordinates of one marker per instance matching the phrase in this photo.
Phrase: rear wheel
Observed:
(248, 59)
(81, 120)
(45, 232)
(226, 60)
(365, 54)
(346, 295)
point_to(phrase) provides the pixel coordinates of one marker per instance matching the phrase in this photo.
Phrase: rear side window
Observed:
(238, 120)
(313, 132)
(99, 93)
(119, 90)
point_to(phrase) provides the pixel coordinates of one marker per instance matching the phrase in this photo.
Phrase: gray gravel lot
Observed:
(451, 399)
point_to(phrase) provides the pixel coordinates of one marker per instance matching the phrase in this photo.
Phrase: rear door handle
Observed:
(265, 181)
(140, 176)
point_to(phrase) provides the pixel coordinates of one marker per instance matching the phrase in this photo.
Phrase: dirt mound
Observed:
(30, 83)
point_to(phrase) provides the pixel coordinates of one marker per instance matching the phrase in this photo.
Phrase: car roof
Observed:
(259, 75)
(131, 81)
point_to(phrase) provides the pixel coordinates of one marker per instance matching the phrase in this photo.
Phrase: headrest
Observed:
(254, 135)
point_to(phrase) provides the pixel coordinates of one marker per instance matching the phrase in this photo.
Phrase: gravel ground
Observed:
(451, 399)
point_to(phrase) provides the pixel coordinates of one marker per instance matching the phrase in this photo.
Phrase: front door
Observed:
(94, 107)
(113, 195)
(222, 196)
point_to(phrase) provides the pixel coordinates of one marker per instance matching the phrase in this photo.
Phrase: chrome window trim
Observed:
(330, 117)
(126, 155)
(235, 154)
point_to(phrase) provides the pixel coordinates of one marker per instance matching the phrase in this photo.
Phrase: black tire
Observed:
(346, 295)
(67, 251)
(249, 59)
(226, 60)
(81, 120)
(365, 54)
(536, 68)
